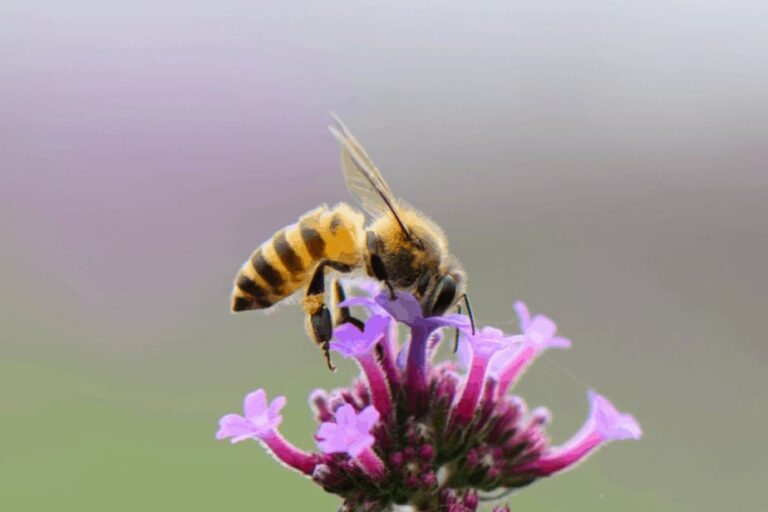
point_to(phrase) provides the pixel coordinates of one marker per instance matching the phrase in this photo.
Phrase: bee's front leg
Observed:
(343, 316)
(319, 325)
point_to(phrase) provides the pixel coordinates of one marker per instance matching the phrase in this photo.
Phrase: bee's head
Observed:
(418, 261)
(438, 292)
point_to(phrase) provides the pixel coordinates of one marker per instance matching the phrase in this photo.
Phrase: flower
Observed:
(539, 331)
(259, 420)
(605, 423)
(538, 335)
(352, 342)
(436, 436)
(350, 434)
(484, 344)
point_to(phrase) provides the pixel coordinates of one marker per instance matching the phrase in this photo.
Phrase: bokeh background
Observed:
(605, 161)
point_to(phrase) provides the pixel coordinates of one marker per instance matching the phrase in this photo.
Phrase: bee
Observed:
(400, 247)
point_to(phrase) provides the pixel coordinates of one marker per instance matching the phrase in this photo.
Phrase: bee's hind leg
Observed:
(319, 325)
(343, 316)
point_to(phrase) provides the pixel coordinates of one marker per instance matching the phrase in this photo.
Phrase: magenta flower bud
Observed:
(427, 452)
(260, 422)
(318, 402)
(397, 459)
(604, 424)
(351, 434)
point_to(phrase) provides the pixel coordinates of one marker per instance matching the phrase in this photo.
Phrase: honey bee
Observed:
(400, 247)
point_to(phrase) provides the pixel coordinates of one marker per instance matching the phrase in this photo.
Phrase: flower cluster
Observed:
(436, 436)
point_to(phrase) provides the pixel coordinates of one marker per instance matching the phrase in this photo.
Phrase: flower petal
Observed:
(558, 342)
(523, 314)
(542, 328)
(360, 444)
(367, 419)
(376, 326)
(275, 407)
(327, 430)
(405, 308)
(255, 403)
(609, 422)
(347, 332)
(232, 425)
(451, 320)
(345, 415)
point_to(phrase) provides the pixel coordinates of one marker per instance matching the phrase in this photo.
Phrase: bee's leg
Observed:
(319, 325)
(343, 316)
(376, 265)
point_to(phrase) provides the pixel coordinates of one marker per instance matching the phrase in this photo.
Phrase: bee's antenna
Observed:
(469, 312)
(456, 334)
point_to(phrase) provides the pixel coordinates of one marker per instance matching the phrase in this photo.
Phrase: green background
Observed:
(603, 161)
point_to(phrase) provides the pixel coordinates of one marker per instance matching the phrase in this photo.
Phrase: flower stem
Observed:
(564, 457)
(465, 409)
(514, 369)
(377, 382)
(416, 369)
(288, 454)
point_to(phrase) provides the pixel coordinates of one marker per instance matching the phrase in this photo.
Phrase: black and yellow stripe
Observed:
(284, 264)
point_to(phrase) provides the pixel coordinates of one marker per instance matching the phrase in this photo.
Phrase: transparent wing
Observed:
(363, 179)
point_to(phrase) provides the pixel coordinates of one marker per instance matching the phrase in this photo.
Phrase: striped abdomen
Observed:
(284, 264)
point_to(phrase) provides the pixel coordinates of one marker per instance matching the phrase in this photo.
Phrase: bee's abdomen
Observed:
(283, 264)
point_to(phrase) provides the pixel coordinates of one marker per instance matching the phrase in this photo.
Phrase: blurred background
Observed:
(604, 161)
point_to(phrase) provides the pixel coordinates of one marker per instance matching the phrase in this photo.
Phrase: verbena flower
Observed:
(435, 436)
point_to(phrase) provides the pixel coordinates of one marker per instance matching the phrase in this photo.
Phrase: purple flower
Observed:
(259, 420)
(538, 336)
(352, 342)
(483, 344)
(605, 423)
(351, 434)
(407, 310)
(429, 434)
(539, 331)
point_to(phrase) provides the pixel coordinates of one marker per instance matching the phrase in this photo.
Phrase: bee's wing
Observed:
(364, 181)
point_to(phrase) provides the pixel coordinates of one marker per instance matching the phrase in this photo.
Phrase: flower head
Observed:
(435, 435)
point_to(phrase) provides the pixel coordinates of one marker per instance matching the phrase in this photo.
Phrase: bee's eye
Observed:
(421, 287)
(446, 293)
(379, 270)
